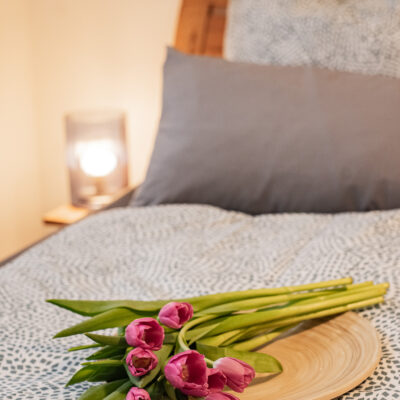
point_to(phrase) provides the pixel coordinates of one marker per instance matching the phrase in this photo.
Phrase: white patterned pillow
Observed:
(348, 35)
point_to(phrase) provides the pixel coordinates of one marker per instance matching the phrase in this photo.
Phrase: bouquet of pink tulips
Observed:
(198, 347)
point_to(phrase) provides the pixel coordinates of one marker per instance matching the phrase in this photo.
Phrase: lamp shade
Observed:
(97, 157)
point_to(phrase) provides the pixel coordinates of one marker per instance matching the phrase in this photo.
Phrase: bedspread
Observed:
(179, 251)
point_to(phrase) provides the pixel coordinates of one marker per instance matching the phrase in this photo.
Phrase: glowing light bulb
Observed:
(98, 160)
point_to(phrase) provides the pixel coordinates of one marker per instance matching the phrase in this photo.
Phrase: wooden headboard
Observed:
(201, 27)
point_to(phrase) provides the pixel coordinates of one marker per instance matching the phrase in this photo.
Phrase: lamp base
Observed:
(69, 214)
(95, 202)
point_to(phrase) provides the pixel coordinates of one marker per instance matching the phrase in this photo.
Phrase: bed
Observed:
(179, 250)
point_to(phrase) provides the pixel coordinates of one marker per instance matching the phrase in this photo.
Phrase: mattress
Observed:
(186, 250)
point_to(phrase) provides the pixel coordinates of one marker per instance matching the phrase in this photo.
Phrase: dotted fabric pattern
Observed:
(346, 35)
(185, 250)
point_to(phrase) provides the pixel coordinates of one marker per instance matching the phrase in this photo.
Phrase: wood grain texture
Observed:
(321, 360)
(201, 27)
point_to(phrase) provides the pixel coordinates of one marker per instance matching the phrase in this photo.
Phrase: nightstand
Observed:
(68, 214)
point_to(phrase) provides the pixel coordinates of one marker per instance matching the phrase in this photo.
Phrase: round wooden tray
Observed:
(322, 359)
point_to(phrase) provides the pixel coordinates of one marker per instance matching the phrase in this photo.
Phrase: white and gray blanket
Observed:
(182, 250)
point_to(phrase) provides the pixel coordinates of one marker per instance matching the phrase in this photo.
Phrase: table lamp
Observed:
(97, 157)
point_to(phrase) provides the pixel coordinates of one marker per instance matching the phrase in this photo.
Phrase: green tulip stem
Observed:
(240, 321)
(232, 336)
(207, 301)
(219, 340)
(261, 340)
(319, 314)
(181, 336)
(356, 289)
(259, 302)
(249, 333)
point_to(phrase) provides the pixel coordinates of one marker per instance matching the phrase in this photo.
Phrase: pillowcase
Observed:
(347, 35)
(263, 139)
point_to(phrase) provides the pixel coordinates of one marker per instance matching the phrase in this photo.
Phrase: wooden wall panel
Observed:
(201, 27)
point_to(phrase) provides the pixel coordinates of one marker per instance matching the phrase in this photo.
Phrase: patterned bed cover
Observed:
(186, 250)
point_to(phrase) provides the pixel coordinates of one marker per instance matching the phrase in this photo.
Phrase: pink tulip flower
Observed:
(187, 372)
(175, 315)
(146, 333)
(137, 394)
(141, 361)
(238, 373)
(216, 380)
(221, 396)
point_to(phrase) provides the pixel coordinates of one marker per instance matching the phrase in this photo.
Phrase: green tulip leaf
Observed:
(182, 396)
(101, 391)
(108, 352)
(89, 308)
(120, 393)
(104, 363)
(94, 307)
(259, 361)
(156, 391)
(169, 390)
(211, 300)
(85, 347)
(97, 373)
(108, 340)
(203, 329)
(107, 373)
(109, 319)
(197, 334)
(170, 338)
(82, 375)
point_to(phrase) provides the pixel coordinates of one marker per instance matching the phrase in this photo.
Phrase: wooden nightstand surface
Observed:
(68, 214)
(65, 215)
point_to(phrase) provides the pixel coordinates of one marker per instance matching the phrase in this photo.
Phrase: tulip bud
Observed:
(175, 315)
(146, 333)
(187, 372)
(141, 361)
(238, 373)
(216, 380)
(137, 394)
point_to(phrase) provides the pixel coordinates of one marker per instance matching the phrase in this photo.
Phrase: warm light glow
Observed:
(97, 159)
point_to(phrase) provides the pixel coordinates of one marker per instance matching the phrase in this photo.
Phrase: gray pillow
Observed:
(262, 139)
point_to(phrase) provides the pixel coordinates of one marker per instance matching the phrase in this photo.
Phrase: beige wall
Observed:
(98, 54)
(20, 201)
(63, 55)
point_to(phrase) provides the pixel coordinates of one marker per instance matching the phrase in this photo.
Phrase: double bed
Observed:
(183, 249)
(180, 251)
